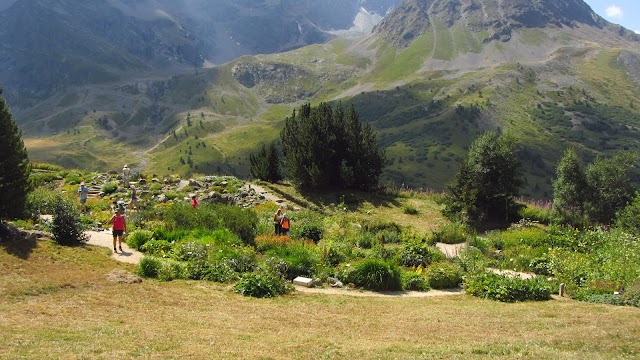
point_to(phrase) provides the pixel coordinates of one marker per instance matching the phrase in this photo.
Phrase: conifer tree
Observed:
(265, 165)
(326, 148)
(14, 166)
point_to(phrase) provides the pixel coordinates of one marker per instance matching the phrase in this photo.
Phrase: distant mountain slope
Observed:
(48, 45)
(432, 76)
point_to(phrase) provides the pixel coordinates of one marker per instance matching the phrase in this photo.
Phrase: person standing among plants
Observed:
(284, 225)
(119, 225)
(126, 173)
(194, 201)
(83, 191)
(277, 219)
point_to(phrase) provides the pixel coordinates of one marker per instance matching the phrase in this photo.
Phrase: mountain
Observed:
(432, 76)
(48, 45)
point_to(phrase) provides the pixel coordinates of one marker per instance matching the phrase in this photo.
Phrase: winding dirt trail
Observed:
(104, 239)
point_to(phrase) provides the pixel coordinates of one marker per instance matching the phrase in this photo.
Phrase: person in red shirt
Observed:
(194, 201)
(119, 224)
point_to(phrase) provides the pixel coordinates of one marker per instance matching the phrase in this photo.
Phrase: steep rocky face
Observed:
(496, 17)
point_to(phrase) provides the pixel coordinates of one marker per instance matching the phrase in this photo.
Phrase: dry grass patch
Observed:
(88, 316)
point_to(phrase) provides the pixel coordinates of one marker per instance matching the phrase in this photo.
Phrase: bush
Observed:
(67, 227)
(149, 267)
(410, 210)
(109, 188)
(541, 214)
(418, 253)
(377, 275)
(443, 276)
(300, 258)
(42, 201)
(242, 222)
(308, 231)
(171, 269)
(159, 248)
(261, 284)
(506, 289)
(220, 271)
(138, 238)
(471, 260)
(37, 179)
(72, 180)
(411, 280)
(453, 233)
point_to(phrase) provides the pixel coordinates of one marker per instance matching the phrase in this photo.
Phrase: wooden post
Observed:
(562, 287)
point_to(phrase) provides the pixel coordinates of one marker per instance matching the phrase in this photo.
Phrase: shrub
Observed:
(138, 238)
(389, 236)
(541, 214)
(149, 267)
(242, 222)
(72, 180)
(240, 258)
(109, 188)
(411, 280)
(410, 210)
(471, 260)
(300, 257)
(261, 284)
(42, 201)
(270, 241)
(67, 227)
(171, 269)
(541, 266)
(418, 253)
(308, 231)
(220, 271)
(159, 248)
(453, 233)
(443, 275)
(506, 289)
(37, 179)
(377, 275)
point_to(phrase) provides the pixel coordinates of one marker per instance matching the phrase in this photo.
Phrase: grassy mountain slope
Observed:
(551, 87)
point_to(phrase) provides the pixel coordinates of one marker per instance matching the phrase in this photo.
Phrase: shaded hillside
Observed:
(48, 46)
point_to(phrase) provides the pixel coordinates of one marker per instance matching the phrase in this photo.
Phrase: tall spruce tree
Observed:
(328, 148)
(14, 166)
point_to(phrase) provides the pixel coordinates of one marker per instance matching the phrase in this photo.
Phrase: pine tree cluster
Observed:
(327, 148)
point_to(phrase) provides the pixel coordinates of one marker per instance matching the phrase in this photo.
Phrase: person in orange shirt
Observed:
(284, 225)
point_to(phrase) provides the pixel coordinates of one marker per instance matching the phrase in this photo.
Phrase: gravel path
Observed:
(105, 239)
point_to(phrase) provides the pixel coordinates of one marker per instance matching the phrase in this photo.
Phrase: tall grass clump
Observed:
(138, 238)
(300, 257)
(453, 233)
(149, 267)
(377, 275)
(443, 275)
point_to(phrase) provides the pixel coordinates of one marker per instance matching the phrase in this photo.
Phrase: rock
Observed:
(317, 282)
(162, 198)
(142, 182)
(112, 172)
(244, 194)
(37, 227)
(262, 197)
(155, 180)
(333, 282)
(303, 281)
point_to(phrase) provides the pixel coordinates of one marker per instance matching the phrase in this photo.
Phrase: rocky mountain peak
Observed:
(496, 17)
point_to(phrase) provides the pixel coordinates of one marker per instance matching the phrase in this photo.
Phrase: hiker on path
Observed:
(134, 198)
(277, 218)
(119, 225)
(83, 191)
(284, 225)
(126, 173)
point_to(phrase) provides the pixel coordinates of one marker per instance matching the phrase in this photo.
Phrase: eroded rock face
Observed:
(252, 74)
(630, 61)
(498, 18)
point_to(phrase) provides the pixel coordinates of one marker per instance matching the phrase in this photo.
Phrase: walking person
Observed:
(277, 218)
(134, 198)
(119, 225)
(83, 191)
(126, 173)
(194, 201)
